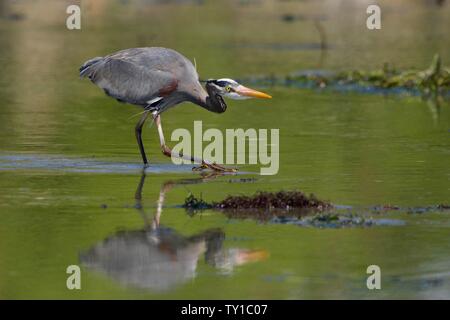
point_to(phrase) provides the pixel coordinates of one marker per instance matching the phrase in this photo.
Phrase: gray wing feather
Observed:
(85, 68)
(135, 75)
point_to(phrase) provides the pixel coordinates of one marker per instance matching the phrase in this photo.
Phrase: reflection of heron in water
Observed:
(159, 258)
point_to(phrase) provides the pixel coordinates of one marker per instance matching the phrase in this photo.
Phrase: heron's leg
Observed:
(138, 131)
(168, 152)
(138, 197)
(162, 194)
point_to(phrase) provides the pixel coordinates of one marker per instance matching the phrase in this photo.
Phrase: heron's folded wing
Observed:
(132, 83)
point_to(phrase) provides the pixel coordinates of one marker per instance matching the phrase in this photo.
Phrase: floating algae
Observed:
(193, 203)
(274, 200)
(262, 206)
(431, 82)
(410, 210)
(335, 220)
(285, 200)
(286, 207)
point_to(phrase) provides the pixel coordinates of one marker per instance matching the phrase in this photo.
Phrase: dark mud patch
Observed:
(286, 207)
(284, 200)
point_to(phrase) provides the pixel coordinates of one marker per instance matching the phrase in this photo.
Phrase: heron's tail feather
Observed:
(85, 69)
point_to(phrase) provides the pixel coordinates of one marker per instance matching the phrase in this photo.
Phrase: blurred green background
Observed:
(69, 164)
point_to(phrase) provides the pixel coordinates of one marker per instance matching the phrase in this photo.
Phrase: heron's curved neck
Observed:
(212, 101)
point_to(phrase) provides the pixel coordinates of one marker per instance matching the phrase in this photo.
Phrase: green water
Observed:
(70, 167)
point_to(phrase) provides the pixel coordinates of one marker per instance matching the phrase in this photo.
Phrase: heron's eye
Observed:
(228, 88)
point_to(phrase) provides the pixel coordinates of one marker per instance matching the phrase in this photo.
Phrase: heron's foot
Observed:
(215, 167)
(200, 168)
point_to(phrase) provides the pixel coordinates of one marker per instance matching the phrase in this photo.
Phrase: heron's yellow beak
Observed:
(244, 256)
(247, 92)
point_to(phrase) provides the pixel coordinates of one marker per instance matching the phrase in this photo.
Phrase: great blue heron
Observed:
(157, 79)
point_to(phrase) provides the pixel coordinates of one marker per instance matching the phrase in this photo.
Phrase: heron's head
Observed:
(230, 88)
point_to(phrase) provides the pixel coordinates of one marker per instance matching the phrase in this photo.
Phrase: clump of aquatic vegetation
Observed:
(297, 208)
(337, 220)
(433, 81)
(285, 200)
(286, 207)
(193, 203)
(411, 210)
(274, 200)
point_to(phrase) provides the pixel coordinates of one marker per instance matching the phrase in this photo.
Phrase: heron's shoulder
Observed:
(148, 53)
(157, 58)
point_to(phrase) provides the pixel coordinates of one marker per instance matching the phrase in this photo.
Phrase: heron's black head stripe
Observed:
(221, 83)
